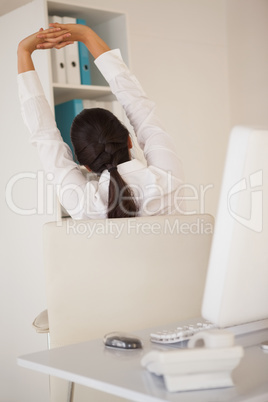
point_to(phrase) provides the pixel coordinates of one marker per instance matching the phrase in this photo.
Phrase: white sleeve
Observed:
(55, 154)
(157, 145)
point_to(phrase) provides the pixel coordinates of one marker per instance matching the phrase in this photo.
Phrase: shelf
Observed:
(93, 16)
(66, 92)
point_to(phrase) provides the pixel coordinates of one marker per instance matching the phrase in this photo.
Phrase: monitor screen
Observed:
(236, 290)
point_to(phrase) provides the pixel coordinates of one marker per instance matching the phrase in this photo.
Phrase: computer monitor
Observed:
(236, 290)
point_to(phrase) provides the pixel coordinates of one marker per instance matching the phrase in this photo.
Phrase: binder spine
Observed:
(58, 59)
(72, 58)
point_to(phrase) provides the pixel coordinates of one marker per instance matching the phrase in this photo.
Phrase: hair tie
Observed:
(112, 168)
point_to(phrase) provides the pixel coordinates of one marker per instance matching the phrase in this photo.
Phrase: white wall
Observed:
(248, 61)
(180, 52)
(22, 293)
(181, 60)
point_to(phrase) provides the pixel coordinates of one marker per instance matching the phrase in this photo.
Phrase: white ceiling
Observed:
(8, 5)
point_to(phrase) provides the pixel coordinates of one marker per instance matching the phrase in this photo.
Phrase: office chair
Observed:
(121, 274)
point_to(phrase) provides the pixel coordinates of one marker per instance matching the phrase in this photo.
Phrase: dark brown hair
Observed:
(100, 142)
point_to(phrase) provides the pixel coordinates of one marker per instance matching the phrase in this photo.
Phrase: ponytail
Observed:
(100, 142)
(121, 201)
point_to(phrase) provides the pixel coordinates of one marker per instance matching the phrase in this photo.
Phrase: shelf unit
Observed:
(111, 27)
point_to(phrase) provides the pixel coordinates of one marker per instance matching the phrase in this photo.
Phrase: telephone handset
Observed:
(207, 362)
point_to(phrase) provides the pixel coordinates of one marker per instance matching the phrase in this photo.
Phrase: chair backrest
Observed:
(123, 274)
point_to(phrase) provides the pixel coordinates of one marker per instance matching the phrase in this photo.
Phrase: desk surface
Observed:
(120, 373)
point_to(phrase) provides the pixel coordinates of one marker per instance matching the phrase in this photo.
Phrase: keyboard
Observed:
(185, 332)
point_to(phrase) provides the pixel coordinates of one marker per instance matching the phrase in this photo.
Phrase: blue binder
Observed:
(84, 59)
(64, 114)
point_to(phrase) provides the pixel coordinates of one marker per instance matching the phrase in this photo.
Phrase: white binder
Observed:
(58, 58)
(72, 58)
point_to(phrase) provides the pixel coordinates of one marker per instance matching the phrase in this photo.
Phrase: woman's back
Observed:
(125, 187)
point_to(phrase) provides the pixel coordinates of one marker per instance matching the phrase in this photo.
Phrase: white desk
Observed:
(119, 372)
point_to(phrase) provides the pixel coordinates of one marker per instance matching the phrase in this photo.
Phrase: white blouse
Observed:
(157, 186)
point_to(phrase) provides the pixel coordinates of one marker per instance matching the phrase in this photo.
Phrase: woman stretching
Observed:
(126, 187)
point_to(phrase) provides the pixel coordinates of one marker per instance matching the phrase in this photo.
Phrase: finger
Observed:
(41, 29)
(50, 45)
(45, 45)
(57, 25)
(51, 34)
(63, 44)
(59, 39)
(49, 30)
